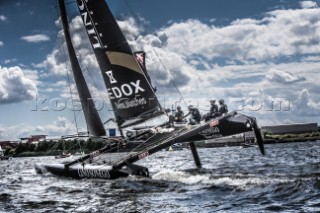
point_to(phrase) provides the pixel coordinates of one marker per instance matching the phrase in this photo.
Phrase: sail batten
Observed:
(130, 93)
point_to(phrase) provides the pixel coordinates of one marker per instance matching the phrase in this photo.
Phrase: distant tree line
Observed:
(56, 147)
(311, 136)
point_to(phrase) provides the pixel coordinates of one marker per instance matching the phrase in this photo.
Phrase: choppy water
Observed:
(234, 179)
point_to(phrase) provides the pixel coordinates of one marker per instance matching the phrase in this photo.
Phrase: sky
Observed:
(262, 57)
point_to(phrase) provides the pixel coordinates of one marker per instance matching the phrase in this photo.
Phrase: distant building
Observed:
(33, 139)
(9, 144)
(4, 144)
(38, 137)
(291, 128)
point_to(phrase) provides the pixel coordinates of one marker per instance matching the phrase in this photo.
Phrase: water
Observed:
(234, 179)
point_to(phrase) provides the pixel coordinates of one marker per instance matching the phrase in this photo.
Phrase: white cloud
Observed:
(15, 86)
(1, 43)
(279, 76)
(311, 58)
(61, 126)
(11, 60)
(191, 51)
(305, 106)
(280, 33)
(3, 18)
(308, 4)
(36, 38)
(55, 63)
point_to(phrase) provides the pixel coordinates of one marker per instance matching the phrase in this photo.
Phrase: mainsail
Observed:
(91, 115)
(131, 94)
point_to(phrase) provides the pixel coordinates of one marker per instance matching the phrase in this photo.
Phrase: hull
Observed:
(234, 124)
(80, 172)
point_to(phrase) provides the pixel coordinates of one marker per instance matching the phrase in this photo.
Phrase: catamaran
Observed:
(133, 100)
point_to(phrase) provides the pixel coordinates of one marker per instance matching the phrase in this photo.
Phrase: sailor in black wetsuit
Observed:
(195, 115)
(213, 111)
(178, 117)
(223, 107)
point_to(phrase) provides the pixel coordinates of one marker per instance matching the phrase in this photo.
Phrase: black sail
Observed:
(131, 95)
(93, 121)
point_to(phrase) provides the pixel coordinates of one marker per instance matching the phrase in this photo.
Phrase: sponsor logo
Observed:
(214, 123)
(94, 35)
(211, 130)
(143, 155)
(126, 103)
(125, 90)
(94, 173)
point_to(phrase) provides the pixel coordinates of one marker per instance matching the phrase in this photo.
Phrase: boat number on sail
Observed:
(214, 123)
(143, 155)
(90, 173)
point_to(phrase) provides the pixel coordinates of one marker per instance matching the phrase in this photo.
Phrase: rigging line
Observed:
(86, 70)
(68, 74)
(105, 101)
(161, 62)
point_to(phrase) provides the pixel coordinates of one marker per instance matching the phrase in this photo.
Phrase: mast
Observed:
(93, 121)
(131, 95)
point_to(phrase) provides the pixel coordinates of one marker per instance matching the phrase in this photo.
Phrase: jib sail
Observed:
(131, 94)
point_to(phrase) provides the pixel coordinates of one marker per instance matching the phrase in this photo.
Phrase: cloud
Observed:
(3, 18)
(273, 36)
(245, 60)
(10, 60)
(246, 50)
(57, 62)
(15, 86)
(36, 38)
(1, 43)
(308, 4)
(279, 76)
(60, 126)
(311, 58)
(305, 106)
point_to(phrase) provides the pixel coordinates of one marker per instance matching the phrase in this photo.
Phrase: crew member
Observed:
(195, 115)
(178, 117)
(213, 111)
(223, 109)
